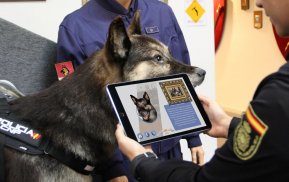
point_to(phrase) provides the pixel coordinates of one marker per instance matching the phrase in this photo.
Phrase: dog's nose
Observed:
(201, 72)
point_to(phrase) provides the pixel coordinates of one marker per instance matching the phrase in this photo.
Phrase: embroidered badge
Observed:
(63, 69)
(248, 135)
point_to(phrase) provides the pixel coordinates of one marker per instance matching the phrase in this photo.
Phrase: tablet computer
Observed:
(159, 108)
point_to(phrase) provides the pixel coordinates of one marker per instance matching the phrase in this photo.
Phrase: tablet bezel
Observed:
(124, 120)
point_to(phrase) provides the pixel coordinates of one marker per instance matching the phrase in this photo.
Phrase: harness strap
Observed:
(21, 137)
(79, 165)
(18, 136)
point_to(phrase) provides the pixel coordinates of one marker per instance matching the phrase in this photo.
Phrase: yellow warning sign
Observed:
(195, 11)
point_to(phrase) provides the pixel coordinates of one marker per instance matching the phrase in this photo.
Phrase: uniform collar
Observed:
(115, 7)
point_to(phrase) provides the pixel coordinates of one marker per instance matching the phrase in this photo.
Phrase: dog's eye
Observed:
(159, 58)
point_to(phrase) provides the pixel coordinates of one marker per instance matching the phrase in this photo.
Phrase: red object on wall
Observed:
(219, 16)
(283, 44)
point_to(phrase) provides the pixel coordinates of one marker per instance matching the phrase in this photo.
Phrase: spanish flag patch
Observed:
(248, 135)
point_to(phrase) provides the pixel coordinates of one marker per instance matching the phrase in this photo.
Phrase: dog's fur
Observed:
(145, 109)
(76, 113)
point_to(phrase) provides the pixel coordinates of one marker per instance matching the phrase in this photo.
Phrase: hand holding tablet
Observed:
(157, 109)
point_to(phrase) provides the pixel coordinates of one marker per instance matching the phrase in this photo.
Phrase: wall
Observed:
(244, 57)
(41, 17)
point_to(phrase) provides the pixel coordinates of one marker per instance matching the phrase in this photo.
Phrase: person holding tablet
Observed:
(165, 115)
(256, 148)
(84, 31)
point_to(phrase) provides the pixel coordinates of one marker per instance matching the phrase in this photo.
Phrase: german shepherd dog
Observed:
(145, 109)
(76, 114)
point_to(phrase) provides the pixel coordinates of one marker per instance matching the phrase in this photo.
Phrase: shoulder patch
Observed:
(248, 135)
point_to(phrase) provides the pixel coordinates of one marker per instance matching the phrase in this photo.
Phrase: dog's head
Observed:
(145, 109)
(141, 56)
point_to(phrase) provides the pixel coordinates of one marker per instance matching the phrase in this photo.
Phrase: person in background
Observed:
(256, 148)
(84, 31)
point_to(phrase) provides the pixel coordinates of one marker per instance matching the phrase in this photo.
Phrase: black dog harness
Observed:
(20, 136)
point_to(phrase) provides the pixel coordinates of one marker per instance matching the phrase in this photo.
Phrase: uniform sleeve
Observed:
(178, 45)
(193, 140)
(255, 142)
(68, 48)
(151, 169)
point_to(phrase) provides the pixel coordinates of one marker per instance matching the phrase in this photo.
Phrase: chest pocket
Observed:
(167, 35)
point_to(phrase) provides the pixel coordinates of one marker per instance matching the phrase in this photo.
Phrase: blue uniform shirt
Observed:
(84, 31)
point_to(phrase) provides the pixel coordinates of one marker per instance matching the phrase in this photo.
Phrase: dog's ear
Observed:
(133, 99)
(146, 96)
(118, 43)
(135, 27)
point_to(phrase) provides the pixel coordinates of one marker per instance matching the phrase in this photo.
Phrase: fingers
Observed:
(148, 147)
(198, 155)
(205, 100)
(202, 159)
(128, 146)
(119, 179)
(194, 158)
(119, 131)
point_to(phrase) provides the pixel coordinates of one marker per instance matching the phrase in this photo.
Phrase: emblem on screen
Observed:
(145, 109)
(175, 91)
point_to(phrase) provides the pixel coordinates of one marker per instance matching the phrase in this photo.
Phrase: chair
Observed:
(26, 59)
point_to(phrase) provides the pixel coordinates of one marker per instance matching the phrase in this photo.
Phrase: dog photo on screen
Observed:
(145, 109)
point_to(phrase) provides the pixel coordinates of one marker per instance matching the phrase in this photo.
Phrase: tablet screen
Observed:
(156, 109)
